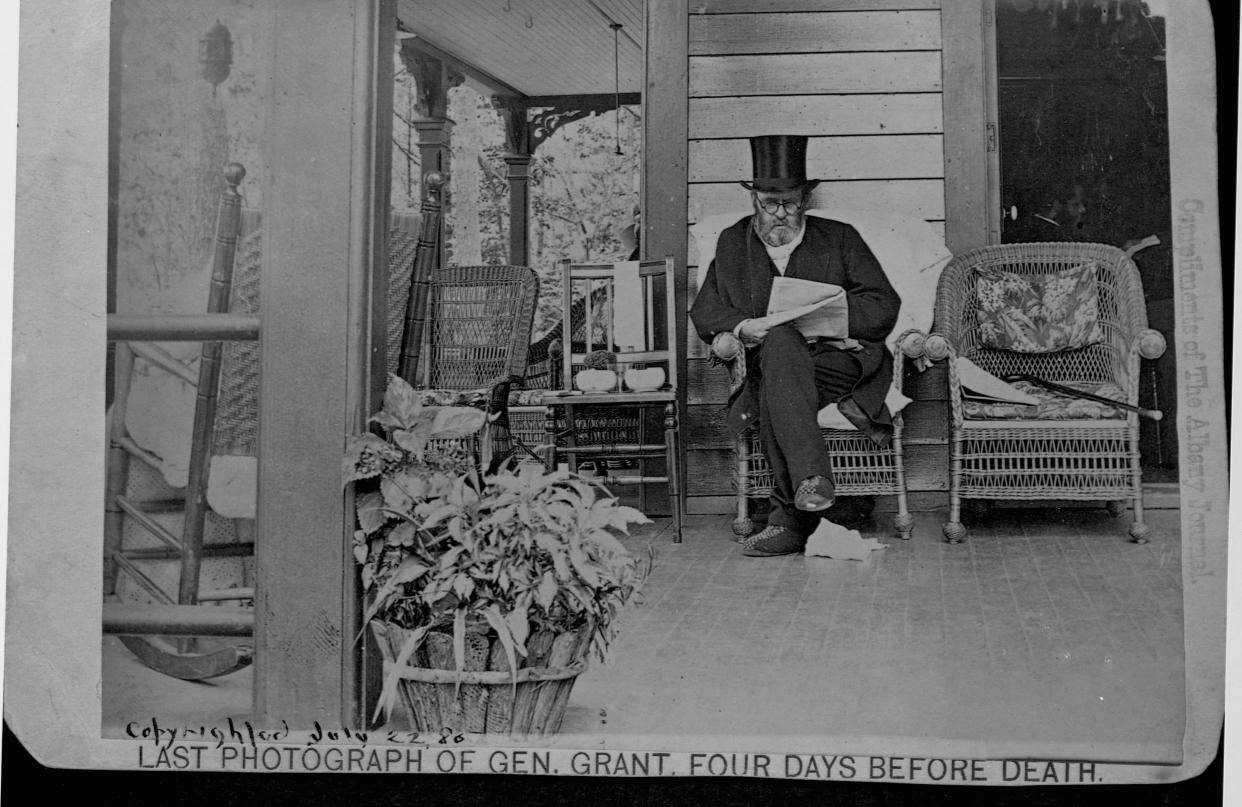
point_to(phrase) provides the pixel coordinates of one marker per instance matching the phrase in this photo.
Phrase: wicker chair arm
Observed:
(938, 347)
(1150, 344)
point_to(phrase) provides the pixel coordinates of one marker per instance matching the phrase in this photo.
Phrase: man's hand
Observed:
(753, 331)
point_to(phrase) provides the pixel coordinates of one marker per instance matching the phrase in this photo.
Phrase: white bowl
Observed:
(595, 380)
(647, 380)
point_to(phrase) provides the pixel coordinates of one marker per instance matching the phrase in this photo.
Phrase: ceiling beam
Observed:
(598, 102)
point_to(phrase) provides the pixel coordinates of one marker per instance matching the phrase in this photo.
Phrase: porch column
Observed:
(432, 80)
(514, 114)
(326, 177)
(519, 208)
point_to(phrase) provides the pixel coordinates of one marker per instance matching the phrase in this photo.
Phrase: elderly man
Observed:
(789, 378)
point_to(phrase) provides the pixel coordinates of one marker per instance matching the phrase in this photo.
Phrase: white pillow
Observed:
(830, 416)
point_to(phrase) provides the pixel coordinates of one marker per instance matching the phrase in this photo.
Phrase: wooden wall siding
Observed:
(863, 80)
(817, 115)
(921, 197)
(747, 6)
(815, 32)
(828, 158)
(804, 73)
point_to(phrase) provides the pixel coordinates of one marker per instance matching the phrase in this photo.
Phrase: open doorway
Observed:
(1084, 154)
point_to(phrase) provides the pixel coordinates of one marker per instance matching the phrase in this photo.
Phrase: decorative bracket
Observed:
(544, 123)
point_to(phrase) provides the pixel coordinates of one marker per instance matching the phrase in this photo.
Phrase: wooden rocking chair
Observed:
(175, 635)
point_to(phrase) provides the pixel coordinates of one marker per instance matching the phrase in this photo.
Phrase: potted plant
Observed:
(485, 592)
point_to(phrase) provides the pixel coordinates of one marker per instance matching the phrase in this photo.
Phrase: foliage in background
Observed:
(582, 194)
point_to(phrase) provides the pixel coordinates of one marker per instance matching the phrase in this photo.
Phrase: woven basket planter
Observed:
(486, 701)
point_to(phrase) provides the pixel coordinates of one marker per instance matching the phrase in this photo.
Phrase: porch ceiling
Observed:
(537, 47)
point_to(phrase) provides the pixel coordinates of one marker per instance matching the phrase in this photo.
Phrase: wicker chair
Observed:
(1031, 452)
(859, 466)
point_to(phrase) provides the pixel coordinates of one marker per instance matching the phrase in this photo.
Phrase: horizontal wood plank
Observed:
(925, 422)
(816, 115)
(929, 385)
(704, 426)
(828, 158)
(927, 467)
(710, 472)
(706, 384)
(921, 198)
(815, 73)
(746, 6)
(710, 505)
(814, 32)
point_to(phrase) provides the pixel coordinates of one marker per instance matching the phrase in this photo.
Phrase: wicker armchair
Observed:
(859, 466)
(1049, 450)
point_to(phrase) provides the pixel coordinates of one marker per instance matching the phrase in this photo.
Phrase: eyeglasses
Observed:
(770, 207)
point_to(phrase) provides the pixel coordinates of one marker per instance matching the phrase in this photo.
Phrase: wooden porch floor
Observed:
(1046, 633)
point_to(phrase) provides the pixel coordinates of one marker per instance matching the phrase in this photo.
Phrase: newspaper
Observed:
(817, 310)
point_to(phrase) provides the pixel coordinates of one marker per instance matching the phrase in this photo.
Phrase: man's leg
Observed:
(796, 381)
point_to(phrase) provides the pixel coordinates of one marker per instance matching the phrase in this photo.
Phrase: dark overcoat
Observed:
(739, 281)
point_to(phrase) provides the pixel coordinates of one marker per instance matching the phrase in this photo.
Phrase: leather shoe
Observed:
(772, 541)
(814, 494)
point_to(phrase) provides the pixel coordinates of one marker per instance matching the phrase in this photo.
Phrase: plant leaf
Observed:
(402, 535)
(394, 494)
(401, 402)
(370, 510)
(459, 646)
(583, 566)
(456, 421)
(410, 440)
(518, 621)
(493, 617)
(545, 595)
(463, 586)
(411, 569)
(388, 694)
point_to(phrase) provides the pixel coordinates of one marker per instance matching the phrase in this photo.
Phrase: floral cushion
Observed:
(1052, 405)
(1039, 313)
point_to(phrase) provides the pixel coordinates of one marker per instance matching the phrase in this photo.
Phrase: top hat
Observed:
(780, 163)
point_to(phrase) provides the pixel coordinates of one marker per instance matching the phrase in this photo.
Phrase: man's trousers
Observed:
(797, 379)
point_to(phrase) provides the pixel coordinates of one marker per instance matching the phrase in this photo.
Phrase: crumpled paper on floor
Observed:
(834, 541)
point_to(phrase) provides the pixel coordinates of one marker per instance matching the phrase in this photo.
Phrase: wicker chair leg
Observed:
(954, 532)
(1139, 529)
(904, 522)
(671, 457)
(742, 525)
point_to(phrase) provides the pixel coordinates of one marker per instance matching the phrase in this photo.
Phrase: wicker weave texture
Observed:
(1122, 311)
(1048, 463)
(236, 429)
(859, 468)
(480, 324)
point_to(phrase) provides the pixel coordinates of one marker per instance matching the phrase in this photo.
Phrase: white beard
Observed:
(778, 236)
